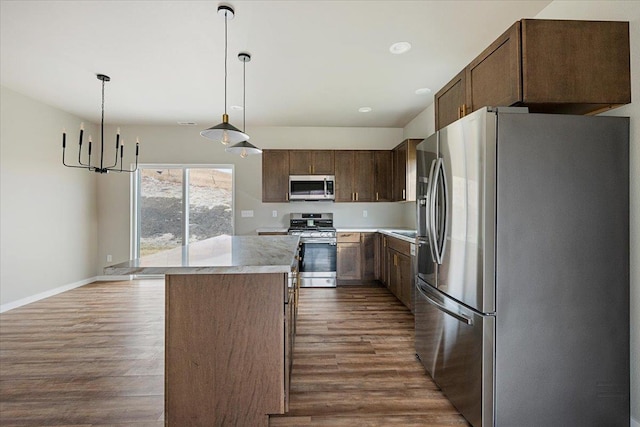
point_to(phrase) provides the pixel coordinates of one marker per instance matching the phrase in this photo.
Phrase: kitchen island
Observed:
(229, 327)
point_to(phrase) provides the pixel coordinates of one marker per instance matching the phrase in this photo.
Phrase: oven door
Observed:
(318, 263)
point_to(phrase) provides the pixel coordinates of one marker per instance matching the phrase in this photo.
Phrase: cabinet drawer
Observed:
(399, 245)
(348, 237)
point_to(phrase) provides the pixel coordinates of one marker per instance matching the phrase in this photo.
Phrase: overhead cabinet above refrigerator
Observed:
(522, 294)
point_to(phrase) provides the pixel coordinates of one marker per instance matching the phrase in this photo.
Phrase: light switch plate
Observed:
(247, 214)
(274, 214)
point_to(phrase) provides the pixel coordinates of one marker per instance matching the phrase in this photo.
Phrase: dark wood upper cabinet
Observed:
(311, 162)
(354, 173)
(275, 175)
(404, 170)
(449, 100)
(344, 173)
(360, 175)
(580, 66)
(550, 66)
(493, 78)
(383, 175)
(363, 183)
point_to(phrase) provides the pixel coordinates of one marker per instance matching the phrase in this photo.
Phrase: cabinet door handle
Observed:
(287, 196)
(404, 194)
(460, 112)
(464, 110)
(310, 170)
(356, 196)
(377, 196)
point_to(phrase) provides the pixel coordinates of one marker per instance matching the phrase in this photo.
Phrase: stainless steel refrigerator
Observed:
(522, 290)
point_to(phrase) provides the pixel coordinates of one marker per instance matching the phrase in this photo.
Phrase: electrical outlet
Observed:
(109, 258)
(364, 213)
(247, 214)
(274, 214)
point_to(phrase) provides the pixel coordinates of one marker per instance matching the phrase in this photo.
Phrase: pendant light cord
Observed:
(244, 95)
(102, 129)
(225, 61)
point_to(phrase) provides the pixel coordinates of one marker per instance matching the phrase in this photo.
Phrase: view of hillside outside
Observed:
(163, 222)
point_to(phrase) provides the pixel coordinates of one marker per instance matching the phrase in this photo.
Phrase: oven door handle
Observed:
(327, 241)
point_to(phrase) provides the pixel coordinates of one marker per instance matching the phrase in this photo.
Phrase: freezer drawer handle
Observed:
(441, 307)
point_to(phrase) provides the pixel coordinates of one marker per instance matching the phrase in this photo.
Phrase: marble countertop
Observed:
(218, 255)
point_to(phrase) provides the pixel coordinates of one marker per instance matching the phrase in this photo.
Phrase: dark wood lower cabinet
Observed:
(398, 269)
(370, 257)
(228, 349)
(349, 261)
(358, 256)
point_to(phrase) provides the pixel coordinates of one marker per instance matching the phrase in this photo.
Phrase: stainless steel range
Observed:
(318, 248)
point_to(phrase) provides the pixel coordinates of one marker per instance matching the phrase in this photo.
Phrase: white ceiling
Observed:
(314, 63)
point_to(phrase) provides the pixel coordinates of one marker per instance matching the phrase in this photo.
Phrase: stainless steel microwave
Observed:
(312, 187)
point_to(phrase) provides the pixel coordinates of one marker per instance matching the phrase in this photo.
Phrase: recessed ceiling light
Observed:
(365, 109)
(237, 107)
(423, 91)
(400, 47)
(187, 123)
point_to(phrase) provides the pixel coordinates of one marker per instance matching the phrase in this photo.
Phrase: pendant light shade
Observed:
(244, 148)
(225, 132)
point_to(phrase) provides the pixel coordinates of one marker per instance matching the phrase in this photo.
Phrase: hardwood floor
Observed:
(354, 364)
(94, 356)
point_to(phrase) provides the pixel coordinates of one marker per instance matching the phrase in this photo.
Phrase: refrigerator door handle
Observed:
(439, 238)
(442, 244)
(430, 213)
(444, 309)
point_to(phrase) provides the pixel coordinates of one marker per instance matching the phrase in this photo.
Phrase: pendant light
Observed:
(102, 168)
(244, 148)
(225, 132)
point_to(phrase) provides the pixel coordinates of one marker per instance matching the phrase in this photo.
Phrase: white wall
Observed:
(179, 144)
(48, 217)
(422, 126)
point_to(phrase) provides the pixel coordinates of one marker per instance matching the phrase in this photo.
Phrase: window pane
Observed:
(160, 210)
(210, 203)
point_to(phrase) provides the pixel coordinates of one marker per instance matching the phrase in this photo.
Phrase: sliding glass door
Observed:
(176, 205)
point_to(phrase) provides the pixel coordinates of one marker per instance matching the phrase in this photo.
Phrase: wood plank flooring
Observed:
(354, 364)
(94, 357)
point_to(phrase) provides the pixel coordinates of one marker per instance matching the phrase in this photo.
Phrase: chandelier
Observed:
(225, 132)
(119, 146)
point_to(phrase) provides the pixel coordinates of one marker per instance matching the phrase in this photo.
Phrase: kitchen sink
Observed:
(406, 233)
